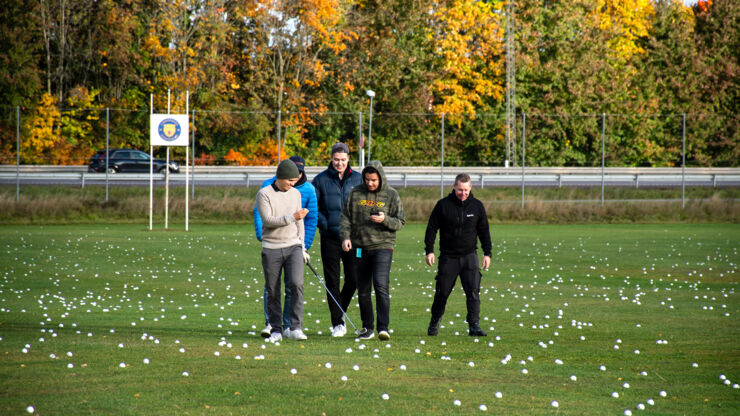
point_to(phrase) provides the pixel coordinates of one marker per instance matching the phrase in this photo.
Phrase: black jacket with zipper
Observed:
(460, 225)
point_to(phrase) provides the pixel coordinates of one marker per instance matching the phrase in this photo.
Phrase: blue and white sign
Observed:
(169, 129)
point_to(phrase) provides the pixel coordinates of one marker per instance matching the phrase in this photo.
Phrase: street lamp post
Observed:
(371, 94)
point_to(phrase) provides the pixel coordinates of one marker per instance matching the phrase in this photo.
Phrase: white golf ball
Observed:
(651, 402)
(573, 378)
(615, 394)
(356, 367)
(554, 403)
(327, 365)
(457, 402)
(402, 367)
(663, 393)
(628, 412)
(499, 395)
(185, 374)
(344, 378)
(30, 409)
(146, 361)
(472, 364)
(483, 407)
(641, 406)
(385, 396)
(602, 367)
(293, 371)
(122, 365)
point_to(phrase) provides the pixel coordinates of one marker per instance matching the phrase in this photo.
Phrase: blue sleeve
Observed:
(257, 218)
(312, 218)
(322, 223)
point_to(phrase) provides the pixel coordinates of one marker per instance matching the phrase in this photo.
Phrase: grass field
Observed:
(114, 319)
(227, 205)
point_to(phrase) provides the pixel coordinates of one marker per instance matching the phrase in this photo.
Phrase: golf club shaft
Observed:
(332, 296)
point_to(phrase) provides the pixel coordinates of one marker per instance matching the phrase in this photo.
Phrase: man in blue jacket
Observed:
(333, 186)
(308, 201)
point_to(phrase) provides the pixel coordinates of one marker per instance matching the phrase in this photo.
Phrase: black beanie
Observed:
(287, 170)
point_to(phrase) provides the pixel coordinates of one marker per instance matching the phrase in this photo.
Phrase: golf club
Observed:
(332, 296)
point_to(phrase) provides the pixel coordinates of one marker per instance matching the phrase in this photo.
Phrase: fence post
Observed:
(361, 161)
(683, 161)
(18, 153)
(603, 131)
(192, 172)
(82, 180)
(107, 145)
(247, 179)
(524, 139)
(279, 131)
(442, 160)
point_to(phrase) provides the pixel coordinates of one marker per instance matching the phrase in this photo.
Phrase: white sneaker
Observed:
(384, 336)
(275, 337)
(266, 332)
(297, 335)
(339, 331)
(286, 333)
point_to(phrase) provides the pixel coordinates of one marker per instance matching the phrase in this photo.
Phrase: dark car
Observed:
(128, 160)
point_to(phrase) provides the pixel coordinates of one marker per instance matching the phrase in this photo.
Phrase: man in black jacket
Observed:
(461, 220)
(333, 187)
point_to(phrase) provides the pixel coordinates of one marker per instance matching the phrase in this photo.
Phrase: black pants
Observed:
(374, 267)
(448, 269)
(331, 256)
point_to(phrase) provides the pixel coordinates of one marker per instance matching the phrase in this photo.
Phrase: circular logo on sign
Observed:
(169, 129)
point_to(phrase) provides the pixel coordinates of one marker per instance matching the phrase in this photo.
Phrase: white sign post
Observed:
(168, 130)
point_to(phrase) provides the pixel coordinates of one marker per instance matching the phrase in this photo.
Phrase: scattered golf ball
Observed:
(626, 385)
(651, 402)
(573, 378)
(327, 365)
(402, 367)
(356, 367)
(185, 374)
(641, 406)
(628, 412)
(498, 395)
(122, 365)
(30, 409)
(554, 403)
(472, 364)
(663, 393)
(615, 394)
(483, 407)
(457, 402)
(146, 361)
(385, 396)
(525, 371)
(602, 367)
(344, 378)
(293, 371)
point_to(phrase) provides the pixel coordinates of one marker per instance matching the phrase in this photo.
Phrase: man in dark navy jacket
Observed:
(333, 186)
(461, 220)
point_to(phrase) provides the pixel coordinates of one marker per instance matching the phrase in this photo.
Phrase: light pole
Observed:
(371, 94)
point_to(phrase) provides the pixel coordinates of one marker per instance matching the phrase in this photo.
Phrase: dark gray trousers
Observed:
(274, 261)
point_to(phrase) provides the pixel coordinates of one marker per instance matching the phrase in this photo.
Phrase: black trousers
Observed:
(448, 269)
(373, 271)
(331, 256)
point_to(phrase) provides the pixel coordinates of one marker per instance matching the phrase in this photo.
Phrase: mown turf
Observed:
(659, 299)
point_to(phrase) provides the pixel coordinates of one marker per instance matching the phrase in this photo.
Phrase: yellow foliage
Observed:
(469, 46)
(630, 20)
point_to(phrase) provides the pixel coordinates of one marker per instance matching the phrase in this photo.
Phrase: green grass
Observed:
(86, 289)
(227, 205)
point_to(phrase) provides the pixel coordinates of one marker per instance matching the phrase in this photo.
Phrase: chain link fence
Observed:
(72, 136)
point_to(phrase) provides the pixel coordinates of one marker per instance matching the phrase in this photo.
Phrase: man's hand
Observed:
(486, 263)
(306, 257)
(299, 215)
(377, 218)
(346, 245)
(430, 259)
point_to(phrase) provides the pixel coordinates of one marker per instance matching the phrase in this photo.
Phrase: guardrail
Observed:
(397, 176)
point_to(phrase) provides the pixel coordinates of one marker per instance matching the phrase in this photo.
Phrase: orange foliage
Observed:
(264, 155)
(205, 160)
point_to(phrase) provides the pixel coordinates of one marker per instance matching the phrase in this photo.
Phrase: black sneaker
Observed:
(365, 333)
(433, 327)
(476, 331)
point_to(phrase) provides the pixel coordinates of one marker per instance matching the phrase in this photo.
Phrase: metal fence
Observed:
(444, 141)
